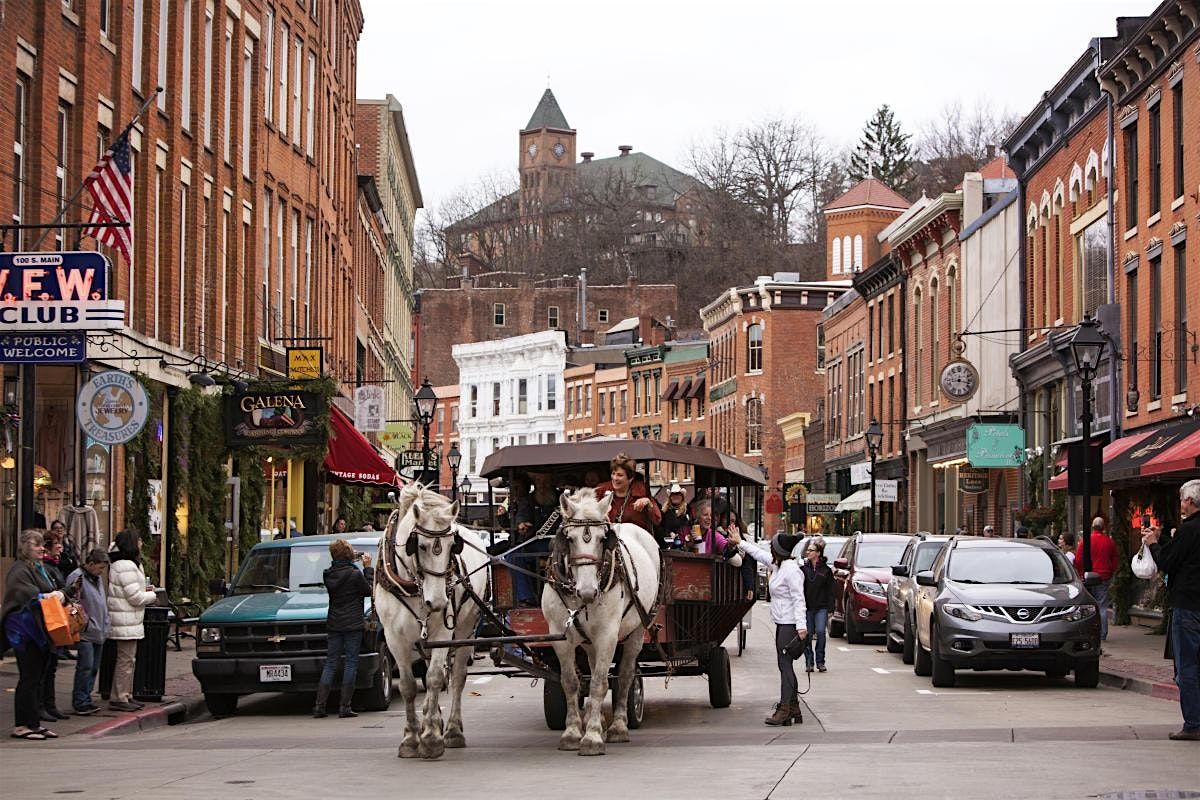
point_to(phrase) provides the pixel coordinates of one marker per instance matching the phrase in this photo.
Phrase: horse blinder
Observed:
(410, 545)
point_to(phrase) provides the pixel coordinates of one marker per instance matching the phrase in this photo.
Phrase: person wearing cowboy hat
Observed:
(788, 611)
(677, 522)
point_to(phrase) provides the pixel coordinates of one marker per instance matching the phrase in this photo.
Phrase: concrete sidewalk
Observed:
(181, 701)
(1132, 658)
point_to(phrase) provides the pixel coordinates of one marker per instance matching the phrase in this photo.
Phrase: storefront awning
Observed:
(1112, 460)
(1173, 447)
(351, 458)
(856, 502)
(1179, 453)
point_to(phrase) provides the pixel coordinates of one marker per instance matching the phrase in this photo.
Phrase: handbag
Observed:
(1143, 565)
(795, 648)
(64, 623)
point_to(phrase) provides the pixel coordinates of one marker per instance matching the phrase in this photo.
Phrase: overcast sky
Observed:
(661, 74)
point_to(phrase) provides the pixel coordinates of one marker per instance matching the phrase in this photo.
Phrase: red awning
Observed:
(682, 390)
(696, 389)
(670, 390)
(1111, 451)
(351, 458)
(1181, 457)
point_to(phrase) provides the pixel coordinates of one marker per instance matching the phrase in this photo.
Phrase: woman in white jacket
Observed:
(128, 595)
(789, 614)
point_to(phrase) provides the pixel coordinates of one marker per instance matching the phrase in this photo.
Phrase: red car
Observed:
(861, 576)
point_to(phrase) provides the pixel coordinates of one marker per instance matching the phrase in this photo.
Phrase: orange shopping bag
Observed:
(57, 619)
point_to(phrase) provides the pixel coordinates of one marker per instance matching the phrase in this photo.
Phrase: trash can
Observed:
(150, 669)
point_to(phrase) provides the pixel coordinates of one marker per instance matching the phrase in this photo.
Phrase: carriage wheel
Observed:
(635, 703)
(720, 682)
(741, 637)
(554, 705)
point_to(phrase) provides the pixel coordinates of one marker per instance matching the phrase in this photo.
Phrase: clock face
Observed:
(959, 380)
(559, 149)
(532, 149)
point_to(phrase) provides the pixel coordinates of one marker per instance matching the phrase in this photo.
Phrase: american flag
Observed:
(111, 186)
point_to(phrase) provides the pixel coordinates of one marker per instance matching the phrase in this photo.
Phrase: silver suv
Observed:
(1006, 604)
(902, 591)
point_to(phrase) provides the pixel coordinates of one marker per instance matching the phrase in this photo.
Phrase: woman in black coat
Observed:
(818, 598)
(347, 587)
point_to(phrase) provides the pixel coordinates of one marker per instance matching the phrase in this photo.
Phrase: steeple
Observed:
(547, 115)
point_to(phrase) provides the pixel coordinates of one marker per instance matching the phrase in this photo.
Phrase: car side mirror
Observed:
(841, 563)
(926, 579)
(900, 570)
(218, 587)
(1091, 579)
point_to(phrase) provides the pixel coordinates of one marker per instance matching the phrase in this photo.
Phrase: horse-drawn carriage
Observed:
(701, 598)
(611, 596)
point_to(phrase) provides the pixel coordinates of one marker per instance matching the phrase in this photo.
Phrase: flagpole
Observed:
(83, 185)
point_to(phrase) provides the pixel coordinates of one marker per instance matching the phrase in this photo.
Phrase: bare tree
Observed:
(959, 140)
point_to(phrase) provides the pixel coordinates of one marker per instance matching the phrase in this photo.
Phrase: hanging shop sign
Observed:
(995, 446)
(823, 503)
(279, 418)
(887, 491)
(112, 407)
(368, 408)
(43, 348)
(972, 481)
(396, 435)
(57, 291)
(860, 473)
(305, 363)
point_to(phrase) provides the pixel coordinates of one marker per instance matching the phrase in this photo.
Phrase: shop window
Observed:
(754, 348)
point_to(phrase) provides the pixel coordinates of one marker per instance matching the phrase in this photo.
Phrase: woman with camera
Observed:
(788, 611)
(347, 587)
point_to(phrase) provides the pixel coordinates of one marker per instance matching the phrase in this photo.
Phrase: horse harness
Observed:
(405, 589)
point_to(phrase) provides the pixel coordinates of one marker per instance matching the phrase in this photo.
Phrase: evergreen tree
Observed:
(883, 152)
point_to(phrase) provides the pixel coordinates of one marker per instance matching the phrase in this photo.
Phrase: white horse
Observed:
(420, 588)
(606, 586)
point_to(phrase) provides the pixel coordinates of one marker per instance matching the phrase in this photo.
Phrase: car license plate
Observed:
(1026, 640)
(275, 673)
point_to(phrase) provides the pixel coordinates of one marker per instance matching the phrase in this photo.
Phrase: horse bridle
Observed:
(415, 588)
(604, 561)
(412, 550)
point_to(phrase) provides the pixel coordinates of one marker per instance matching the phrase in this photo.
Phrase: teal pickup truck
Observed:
(267, 634)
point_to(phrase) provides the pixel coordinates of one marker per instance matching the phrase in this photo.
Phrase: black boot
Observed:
(322, 697)
(347, 695)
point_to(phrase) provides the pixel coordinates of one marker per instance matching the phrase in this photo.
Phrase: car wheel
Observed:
(221, 705)
(941, 669)
(379, 696)
(853, 634)
(893, 643)
(910, 642)
(1087, 674)
(836, 628)
(922, 663)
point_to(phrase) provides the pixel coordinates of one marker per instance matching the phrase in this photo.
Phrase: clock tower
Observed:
(547, 155)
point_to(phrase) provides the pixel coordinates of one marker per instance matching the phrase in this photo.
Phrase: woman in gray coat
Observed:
(93, 592)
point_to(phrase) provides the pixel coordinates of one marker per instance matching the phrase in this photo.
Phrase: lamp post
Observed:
(874, 440)
(1087, 345)
(426, 403)
(463, 490)
(454, 459)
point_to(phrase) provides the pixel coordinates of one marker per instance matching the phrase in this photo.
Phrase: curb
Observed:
(149, 718)
(1162, 691)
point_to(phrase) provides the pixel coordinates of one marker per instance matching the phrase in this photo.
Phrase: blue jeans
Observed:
(817, 618)
(1101, 594)
(1185, 645)
(527, 590)
(342, 643)
(86, 666)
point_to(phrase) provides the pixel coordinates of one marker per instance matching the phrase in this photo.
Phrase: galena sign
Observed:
(57, 291)
(278, 419)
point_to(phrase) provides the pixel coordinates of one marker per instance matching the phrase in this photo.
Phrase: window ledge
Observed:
(753, 372)
(1178, 203)
(1153, 405)
(70, 15)
(1179, 398)
(1129, 234)
(107, 44)
(1154, 219)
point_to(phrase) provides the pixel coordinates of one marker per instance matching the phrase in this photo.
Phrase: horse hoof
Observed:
(617, 735)
(431, 752)
(408, 751)
(568, 743)
(589, 747)
(455, 740)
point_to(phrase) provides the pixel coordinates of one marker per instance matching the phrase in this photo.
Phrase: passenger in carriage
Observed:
(677, 520)
(537, 511)
(631, 499)
(709, 539)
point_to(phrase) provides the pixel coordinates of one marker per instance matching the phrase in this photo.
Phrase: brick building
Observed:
(581, 410)
(851, 222)
(765, 362)
(444, 317)
(443, 434)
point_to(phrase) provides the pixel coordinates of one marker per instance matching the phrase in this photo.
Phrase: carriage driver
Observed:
(531, 515)
(631, 500)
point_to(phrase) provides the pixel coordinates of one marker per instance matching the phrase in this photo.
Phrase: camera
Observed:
(358, 555)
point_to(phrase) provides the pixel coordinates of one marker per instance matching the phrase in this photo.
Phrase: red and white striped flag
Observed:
(111, 186)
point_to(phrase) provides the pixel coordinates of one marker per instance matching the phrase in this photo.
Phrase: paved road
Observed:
(872, 729)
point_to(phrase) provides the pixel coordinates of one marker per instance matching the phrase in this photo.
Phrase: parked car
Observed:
(1006, 604)
(861, 575)
(918, 557)
(267, 634)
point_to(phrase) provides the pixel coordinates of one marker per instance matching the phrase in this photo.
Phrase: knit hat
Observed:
(782, 544)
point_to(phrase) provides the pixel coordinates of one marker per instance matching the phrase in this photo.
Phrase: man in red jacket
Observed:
(1104, 563)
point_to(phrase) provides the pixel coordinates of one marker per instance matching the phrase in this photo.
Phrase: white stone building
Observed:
(510, 392)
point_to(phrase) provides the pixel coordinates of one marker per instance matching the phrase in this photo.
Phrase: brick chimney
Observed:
(587, 155)
(625, 149)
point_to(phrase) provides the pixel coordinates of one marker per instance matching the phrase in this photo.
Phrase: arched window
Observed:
(934, 339)
(858, 253)
(847, 264)
(919, 362)
(952, 299)
(754, 425)
(837, 255)
(754, 348)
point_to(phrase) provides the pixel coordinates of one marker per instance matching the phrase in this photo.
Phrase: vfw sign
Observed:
(57, 291)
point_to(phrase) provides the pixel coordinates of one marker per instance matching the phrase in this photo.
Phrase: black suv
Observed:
(1006, 604)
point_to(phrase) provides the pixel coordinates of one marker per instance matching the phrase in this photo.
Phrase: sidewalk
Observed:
(181, 701)
(1133, 659)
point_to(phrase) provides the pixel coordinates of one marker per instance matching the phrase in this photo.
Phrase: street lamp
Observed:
(874, 440)
(426, 403)
(464, 489)
(1087, 345)
(454, 459)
